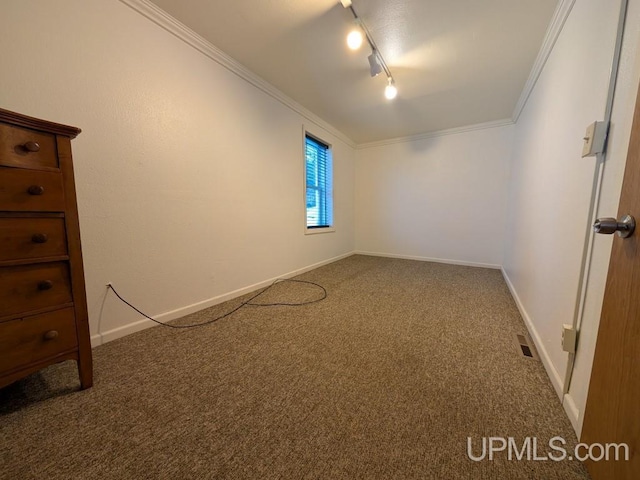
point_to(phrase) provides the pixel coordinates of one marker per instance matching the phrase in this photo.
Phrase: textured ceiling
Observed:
(455, 62)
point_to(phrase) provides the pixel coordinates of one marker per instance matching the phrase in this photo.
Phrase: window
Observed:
(319, 185)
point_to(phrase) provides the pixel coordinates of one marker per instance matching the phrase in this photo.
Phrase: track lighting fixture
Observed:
(377, 64)
(374, 65)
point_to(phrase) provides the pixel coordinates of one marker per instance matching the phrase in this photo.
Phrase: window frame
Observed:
(331, 199)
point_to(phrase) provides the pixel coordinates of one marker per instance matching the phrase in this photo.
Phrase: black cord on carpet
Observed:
(248, 302)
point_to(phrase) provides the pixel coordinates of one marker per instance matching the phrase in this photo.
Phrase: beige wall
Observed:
(551, 187)
(625, 98)
(189, 178)
(440, 198)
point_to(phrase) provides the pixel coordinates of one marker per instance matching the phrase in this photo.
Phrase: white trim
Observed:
(143, 324)
(184, 33)
(438, 133)
(572, 412)
(315, 231)
(556, 379)
(429, 259)
(553, 32)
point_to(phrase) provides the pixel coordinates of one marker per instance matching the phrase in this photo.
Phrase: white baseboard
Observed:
(572, 412)
(144, 323)
(429, 259)
(556, 379)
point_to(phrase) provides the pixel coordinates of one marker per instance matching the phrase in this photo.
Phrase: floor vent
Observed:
(524, 347)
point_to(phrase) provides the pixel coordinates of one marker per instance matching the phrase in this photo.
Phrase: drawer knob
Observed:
(31, 147)
(35, 190)
(45, 285)
(50, 335)
(40, 238)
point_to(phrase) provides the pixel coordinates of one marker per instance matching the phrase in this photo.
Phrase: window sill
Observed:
(313, 231)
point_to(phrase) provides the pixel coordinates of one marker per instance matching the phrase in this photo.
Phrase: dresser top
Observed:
(37, 124)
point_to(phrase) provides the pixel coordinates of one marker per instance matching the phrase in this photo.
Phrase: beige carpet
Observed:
(384, 379)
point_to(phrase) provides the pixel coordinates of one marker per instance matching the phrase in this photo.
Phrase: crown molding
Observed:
(553, 32)
(438, 133)
(184, 33)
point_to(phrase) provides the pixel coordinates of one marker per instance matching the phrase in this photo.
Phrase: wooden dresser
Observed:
(43, 305)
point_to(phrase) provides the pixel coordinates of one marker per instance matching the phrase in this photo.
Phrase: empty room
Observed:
(322, 239)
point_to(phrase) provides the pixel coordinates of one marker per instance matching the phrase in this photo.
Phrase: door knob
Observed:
(624, 228)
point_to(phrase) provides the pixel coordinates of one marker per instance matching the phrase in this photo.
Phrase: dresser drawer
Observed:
(35, 338)
(33, 287)
(30, 190)
(20, 147)
(25, 238)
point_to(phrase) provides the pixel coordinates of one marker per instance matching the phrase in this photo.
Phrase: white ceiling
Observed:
(455, 62)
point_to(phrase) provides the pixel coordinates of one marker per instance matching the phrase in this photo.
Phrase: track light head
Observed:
(390, 92)
(374, 65)
(354, 39)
